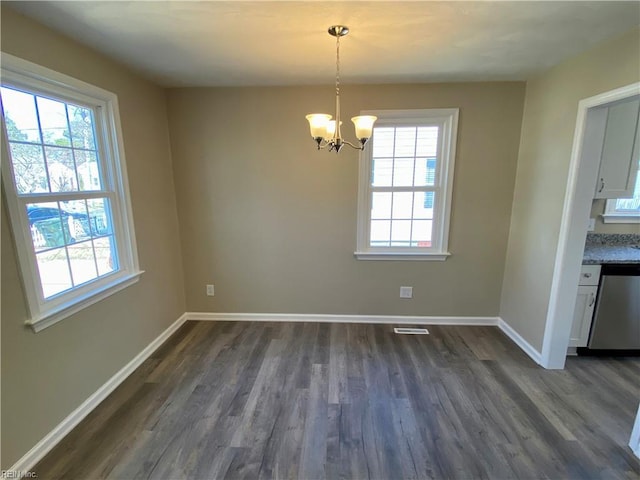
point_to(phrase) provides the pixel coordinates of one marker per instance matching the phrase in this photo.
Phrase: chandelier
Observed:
(324, 130)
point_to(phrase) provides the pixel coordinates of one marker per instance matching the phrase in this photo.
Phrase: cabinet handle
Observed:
(601, 185)
(593, 300)
(587, 275)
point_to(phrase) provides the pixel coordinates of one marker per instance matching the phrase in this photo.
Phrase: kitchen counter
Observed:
(599, 254)
(611, 248)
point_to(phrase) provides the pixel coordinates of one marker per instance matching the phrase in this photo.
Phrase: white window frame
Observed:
(447, 120)
(36, 79)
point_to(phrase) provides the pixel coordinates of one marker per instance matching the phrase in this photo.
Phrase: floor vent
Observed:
(411, 331)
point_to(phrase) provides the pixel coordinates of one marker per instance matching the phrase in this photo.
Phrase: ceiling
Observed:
(223, 43)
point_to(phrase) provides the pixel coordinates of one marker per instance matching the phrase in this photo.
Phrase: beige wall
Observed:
(272, 222)
(47, 375)
(548, 125)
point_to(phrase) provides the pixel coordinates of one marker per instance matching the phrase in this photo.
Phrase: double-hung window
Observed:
(405, 185)
(66, 190)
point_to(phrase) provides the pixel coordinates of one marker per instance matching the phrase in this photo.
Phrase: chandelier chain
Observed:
(338, 65)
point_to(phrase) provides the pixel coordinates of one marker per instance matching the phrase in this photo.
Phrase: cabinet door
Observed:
(620, 151)
(583, 315)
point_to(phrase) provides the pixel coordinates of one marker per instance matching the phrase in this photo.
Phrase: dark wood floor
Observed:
(294, 400)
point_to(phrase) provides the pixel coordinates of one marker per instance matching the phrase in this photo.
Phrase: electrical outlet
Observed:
(210, 290)
(406, 292)
(592, 225)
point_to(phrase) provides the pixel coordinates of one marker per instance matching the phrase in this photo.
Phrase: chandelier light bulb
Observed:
(318, 123)
(364, 126)
(331, 129)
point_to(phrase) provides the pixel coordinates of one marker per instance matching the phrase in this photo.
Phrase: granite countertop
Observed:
(611, 248)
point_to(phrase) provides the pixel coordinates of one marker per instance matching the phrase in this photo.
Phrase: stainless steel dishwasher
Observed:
(616, 322)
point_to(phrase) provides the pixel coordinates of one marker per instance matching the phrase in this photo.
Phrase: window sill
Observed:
(51, 317)
(613, 218)
(403, 256)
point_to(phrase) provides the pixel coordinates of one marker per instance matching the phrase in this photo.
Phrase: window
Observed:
(66, 188)
(406, 178)
(624, 210)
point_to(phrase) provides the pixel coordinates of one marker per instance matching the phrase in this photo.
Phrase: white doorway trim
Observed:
(583, 171)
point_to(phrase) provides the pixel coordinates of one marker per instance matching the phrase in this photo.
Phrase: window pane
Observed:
(53, 122)
(47, 229)
(83, 262)
(99, 217)
(425, 173)
(423, 205)
(54, 271)
(427, 142)
(20, 115)
(77, 220)
(106, 257)
(28, 168)
(381, 205)
(381, 172)
(403, 172)
(88, 170)
(62, 170)
(81, 121)
(421, 233)
(401, 233)
(380, 233)
(383, 142)
(405, 142)
(630, 204)
(402, 204)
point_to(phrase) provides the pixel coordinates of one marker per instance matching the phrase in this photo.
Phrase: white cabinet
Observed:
(585, 304)
(582, 316)
(620, 150)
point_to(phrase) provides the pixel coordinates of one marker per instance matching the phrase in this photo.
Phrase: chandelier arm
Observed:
(357, 147)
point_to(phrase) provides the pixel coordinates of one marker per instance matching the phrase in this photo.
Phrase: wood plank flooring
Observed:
(342, 401)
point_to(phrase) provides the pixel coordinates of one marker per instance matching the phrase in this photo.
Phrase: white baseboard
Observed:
(44, 446)
(304, 317)
(535, 355)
